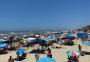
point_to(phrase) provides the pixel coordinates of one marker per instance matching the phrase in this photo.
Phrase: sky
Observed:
(43, 14)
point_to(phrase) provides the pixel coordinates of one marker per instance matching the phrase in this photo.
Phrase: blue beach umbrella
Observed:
(20, 51)
(70, 35)
(46, 59)
(51, 38)
(2, 40)
(3, 45)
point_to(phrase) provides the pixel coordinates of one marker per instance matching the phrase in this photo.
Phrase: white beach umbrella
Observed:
(30, 39)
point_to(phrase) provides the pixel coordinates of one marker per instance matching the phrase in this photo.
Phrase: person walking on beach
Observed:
(10, 59)
(27, 45)
(80, 48)
(49, 54)
(37, 57)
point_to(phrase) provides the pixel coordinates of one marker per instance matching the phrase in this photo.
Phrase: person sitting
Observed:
(38, 50)
(75, 59)
(10, 59)
(49, 54)
(24, 55)
(5, 50)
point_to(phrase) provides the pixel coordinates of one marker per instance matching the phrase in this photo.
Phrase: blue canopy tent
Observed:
(20, 51)
(46, 59)
(82, 35)
(3, 45)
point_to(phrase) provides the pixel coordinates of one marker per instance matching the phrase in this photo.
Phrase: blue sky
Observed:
(43, 14)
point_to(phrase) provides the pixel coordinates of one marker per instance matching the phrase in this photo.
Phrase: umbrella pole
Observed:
(86, 48)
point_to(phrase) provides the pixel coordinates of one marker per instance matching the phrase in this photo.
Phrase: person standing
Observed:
(80, 48)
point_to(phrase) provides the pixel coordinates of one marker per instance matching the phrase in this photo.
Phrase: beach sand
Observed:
(58, 54)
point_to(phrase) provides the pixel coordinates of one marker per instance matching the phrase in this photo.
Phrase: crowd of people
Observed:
(67, 41)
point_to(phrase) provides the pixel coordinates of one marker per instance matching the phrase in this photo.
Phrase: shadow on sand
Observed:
(37, 51)
(86, 52)
(56, 47)
(20, 59)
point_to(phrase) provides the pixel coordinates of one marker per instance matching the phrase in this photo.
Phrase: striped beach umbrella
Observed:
(73, 53)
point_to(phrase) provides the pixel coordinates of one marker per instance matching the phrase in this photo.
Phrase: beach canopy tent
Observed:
(20, 51)
(3, 45)
(73, 53)
(82, 35)
(87, 43)
(3, 41)
(46, 59)
(88, 36)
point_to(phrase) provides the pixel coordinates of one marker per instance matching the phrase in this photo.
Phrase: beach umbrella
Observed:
(46, 59)
(42, 37)
(3, 45)
(37, 35)
(23, 40)
(50, 38)
(70, 36)
(20, 51)
(73, 53)
(2, 40)
(31, 39)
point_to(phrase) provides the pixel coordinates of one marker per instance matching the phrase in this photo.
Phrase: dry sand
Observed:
(58, 54)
